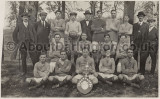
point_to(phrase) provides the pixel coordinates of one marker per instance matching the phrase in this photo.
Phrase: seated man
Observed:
(54, 52)
(84, 43)
(63, 66)
(129, 70)
(96, 54)
(81, 63)
(121, 52)
(108, 44)
(106, 69)
(41, 72)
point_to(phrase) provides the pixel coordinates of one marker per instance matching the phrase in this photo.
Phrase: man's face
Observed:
(73, 17)
(84, 36)
(107, 38)
(63, 55)
(43, 58)
(57, 38)
(151, 24)
(130, 53)
(43, 17)
(85, 53)
(87, 16)
(123, 38)
(108, 53)
(58, 15)
(99, 14)
(25, 18)
(113, 14)
(126, 18)
(140, 17)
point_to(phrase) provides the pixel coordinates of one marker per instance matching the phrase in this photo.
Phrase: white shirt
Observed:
(43, 23)
(140, 23)
(87, 22)
(25, 24)
(150, 28)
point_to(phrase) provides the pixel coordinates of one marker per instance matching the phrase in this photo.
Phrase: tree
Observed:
(63, 9)
(93, 7)
(101, 6)
(129, 10)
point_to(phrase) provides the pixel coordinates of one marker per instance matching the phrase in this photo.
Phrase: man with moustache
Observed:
(42, 29)
(139, 38)
(86, 25)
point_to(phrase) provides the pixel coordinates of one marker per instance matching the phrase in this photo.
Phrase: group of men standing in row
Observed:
(115, 55)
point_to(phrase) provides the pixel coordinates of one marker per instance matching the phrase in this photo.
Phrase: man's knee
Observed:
(141, 77)
(45, 78)
(115, 78)
(74, 80)
(28, 80)
(69, 77)
(120, 77)
(95, 80)
(50, 78)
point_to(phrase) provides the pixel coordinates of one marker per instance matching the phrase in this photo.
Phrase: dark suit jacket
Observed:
(153, 35)
(87, 29)
(20, 32)
(42, 32)
(140, 33)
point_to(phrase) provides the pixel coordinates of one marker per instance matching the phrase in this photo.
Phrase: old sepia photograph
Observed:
(80, 49)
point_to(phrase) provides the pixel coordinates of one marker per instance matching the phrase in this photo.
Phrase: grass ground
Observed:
(12, 84)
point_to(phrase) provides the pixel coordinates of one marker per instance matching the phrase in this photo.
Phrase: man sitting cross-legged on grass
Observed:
(41, 72)
(129, 70)
(81, 63)
(106, 69)
(62, 68)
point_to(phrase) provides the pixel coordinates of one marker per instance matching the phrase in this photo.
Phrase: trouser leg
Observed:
(143, 58)
(24, 64)
(154, 60)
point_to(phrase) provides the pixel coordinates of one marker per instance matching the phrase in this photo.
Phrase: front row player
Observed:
(81, 62)
(62, 68)
(129, 70)
(41, 72)
(106, 69)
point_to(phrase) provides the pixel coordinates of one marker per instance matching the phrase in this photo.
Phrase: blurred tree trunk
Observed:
(101, 5)
(129, 10)
(59, 5)
(93, 7)
(21, 10)
(63, 9)
(33, 10)
(158, 15)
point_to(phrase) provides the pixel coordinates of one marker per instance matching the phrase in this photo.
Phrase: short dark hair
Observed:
(43, 53)
(58, 11)
(57, 34)
(113, 10)
(62, 51)
(106, 35)
(130, 48)
(123, 35)
(99, 11)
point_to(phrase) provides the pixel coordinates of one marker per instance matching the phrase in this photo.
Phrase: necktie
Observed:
(43, 24)
(56, 46)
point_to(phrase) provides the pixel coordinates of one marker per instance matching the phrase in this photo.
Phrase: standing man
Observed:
(98, 28)
(152, 40)
(140, 34)
(43, 29)
(58, 25)
(86, 25)
(73, 31)
(25, 36)
(112, 26)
